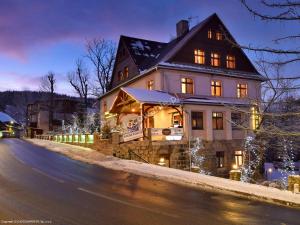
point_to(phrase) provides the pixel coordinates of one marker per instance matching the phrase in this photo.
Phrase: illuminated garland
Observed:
(198, 156)
(252, 159)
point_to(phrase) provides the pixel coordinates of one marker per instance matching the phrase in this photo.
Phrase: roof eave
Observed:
(261, 78)
(143, 73)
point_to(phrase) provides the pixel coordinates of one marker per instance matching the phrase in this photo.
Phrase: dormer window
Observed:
(219, 36)
(150, 84)
(120, 75)
(199, 56)
(187, 86)
(126, 72)
(209, 34)
(215, 59)
(230, 61)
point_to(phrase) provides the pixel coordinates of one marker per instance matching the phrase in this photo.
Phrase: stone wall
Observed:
(229, 147)
(174, 153)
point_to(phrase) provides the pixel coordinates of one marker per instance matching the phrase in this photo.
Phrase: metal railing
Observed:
(136, 155)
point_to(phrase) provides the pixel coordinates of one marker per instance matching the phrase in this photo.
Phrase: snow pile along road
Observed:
(172, 175)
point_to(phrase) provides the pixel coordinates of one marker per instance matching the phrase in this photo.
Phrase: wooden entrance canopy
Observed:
(129, 100)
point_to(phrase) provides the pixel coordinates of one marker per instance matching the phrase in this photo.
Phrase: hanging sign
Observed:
(132, 126)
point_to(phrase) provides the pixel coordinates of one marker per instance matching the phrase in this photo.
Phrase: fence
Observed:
(84, 139)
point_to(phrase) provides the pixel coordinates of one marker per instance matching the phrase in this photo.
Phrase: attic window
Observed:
(230, 62)
(104, 106)
(120, 75)
(199, 56)
(219, 36)
(150, 84)
(215, 59)
(126, 72)
(209, 34)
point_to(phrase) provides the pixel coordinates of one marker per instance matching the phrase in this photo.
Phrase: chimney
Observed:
(182, 27)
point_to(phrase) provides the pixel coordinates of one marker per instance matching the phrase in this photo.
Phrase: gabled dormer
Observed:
(125, 67)
(133, 56)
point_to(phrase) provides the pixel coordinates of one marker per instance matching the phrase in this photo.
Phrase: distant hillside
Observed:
(14, 103)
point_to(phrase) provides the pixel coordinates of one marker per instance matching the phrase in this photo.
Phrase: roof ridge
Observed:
(125, 36)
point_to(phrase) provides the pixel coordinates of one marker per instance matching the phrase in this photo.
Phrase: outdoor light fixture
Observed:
(234, 166)
(162, 161)
(132, 110)
(11, 122)
(270, 170)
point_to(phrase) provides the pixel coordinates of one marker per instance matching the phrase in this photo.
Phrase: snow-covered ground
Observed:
(173, 175)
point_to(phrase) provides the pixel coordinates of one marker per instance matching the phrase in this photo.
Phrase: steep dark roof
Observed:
(148, 54)
(143, 52)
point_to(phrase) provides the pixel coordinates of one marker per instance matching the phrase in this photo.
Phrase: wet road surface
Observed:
(37, 184)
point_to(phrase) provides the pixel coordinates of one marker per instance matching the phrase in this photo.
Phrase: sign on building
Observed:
(132, 127)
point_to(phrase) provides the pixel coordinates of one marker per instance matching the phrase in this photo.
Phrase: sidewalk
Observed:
(252, 191)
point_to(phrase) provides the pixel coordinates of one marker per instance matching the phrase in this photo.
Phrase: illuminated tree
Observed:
(252, 159)
(198, 157)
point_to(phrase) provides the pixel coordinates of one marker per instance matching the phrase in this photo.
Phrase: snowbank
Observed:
(173, 175)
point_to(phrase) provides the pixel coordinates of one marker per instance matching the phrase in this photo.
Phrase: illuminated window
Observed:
(126, 72)
(150, 84)
(199, 56)
(104, 106)
(238, 158)
(197, 120)
(236, 119)
(242, 90)
(209, 34)
(187, 86)
(216, 88)
(255, 118)
(230, 62)
(220, 159)
(217, 120)
(215, 59)
(219, 36)
(120, 75)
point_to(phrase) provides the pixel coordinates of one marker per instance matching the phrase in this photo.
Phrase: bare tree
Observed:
(284, 11)
(79, 80)
(101, 54)
(48, 83)
(277, 87)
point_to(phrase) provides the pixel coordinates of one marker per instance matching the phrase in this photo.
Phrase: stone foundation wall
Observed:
(229, 147)
(174, 153)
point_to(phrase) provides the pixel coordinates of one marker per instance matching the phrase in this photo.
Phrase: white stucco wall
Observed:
(170, 81)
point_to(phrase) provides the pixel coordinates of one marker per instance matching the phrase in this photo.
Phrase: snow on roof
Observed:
(4, 118)
(215, 101)
(220, 71)
(151, 96)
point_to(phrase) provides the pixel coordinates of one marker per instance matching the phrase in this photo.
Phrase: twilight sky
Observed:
(37, 36)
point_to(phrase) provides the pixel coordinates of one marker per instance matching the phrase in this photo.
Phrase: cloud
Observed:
(30, 24)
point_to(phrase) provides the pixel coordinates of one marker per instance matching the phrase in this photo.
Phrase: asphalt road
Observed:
(43, 186)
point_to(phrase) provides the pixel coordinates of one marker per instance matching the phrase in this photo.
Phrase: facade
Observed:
(38, 115)
(201, 84)
(8, 126)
